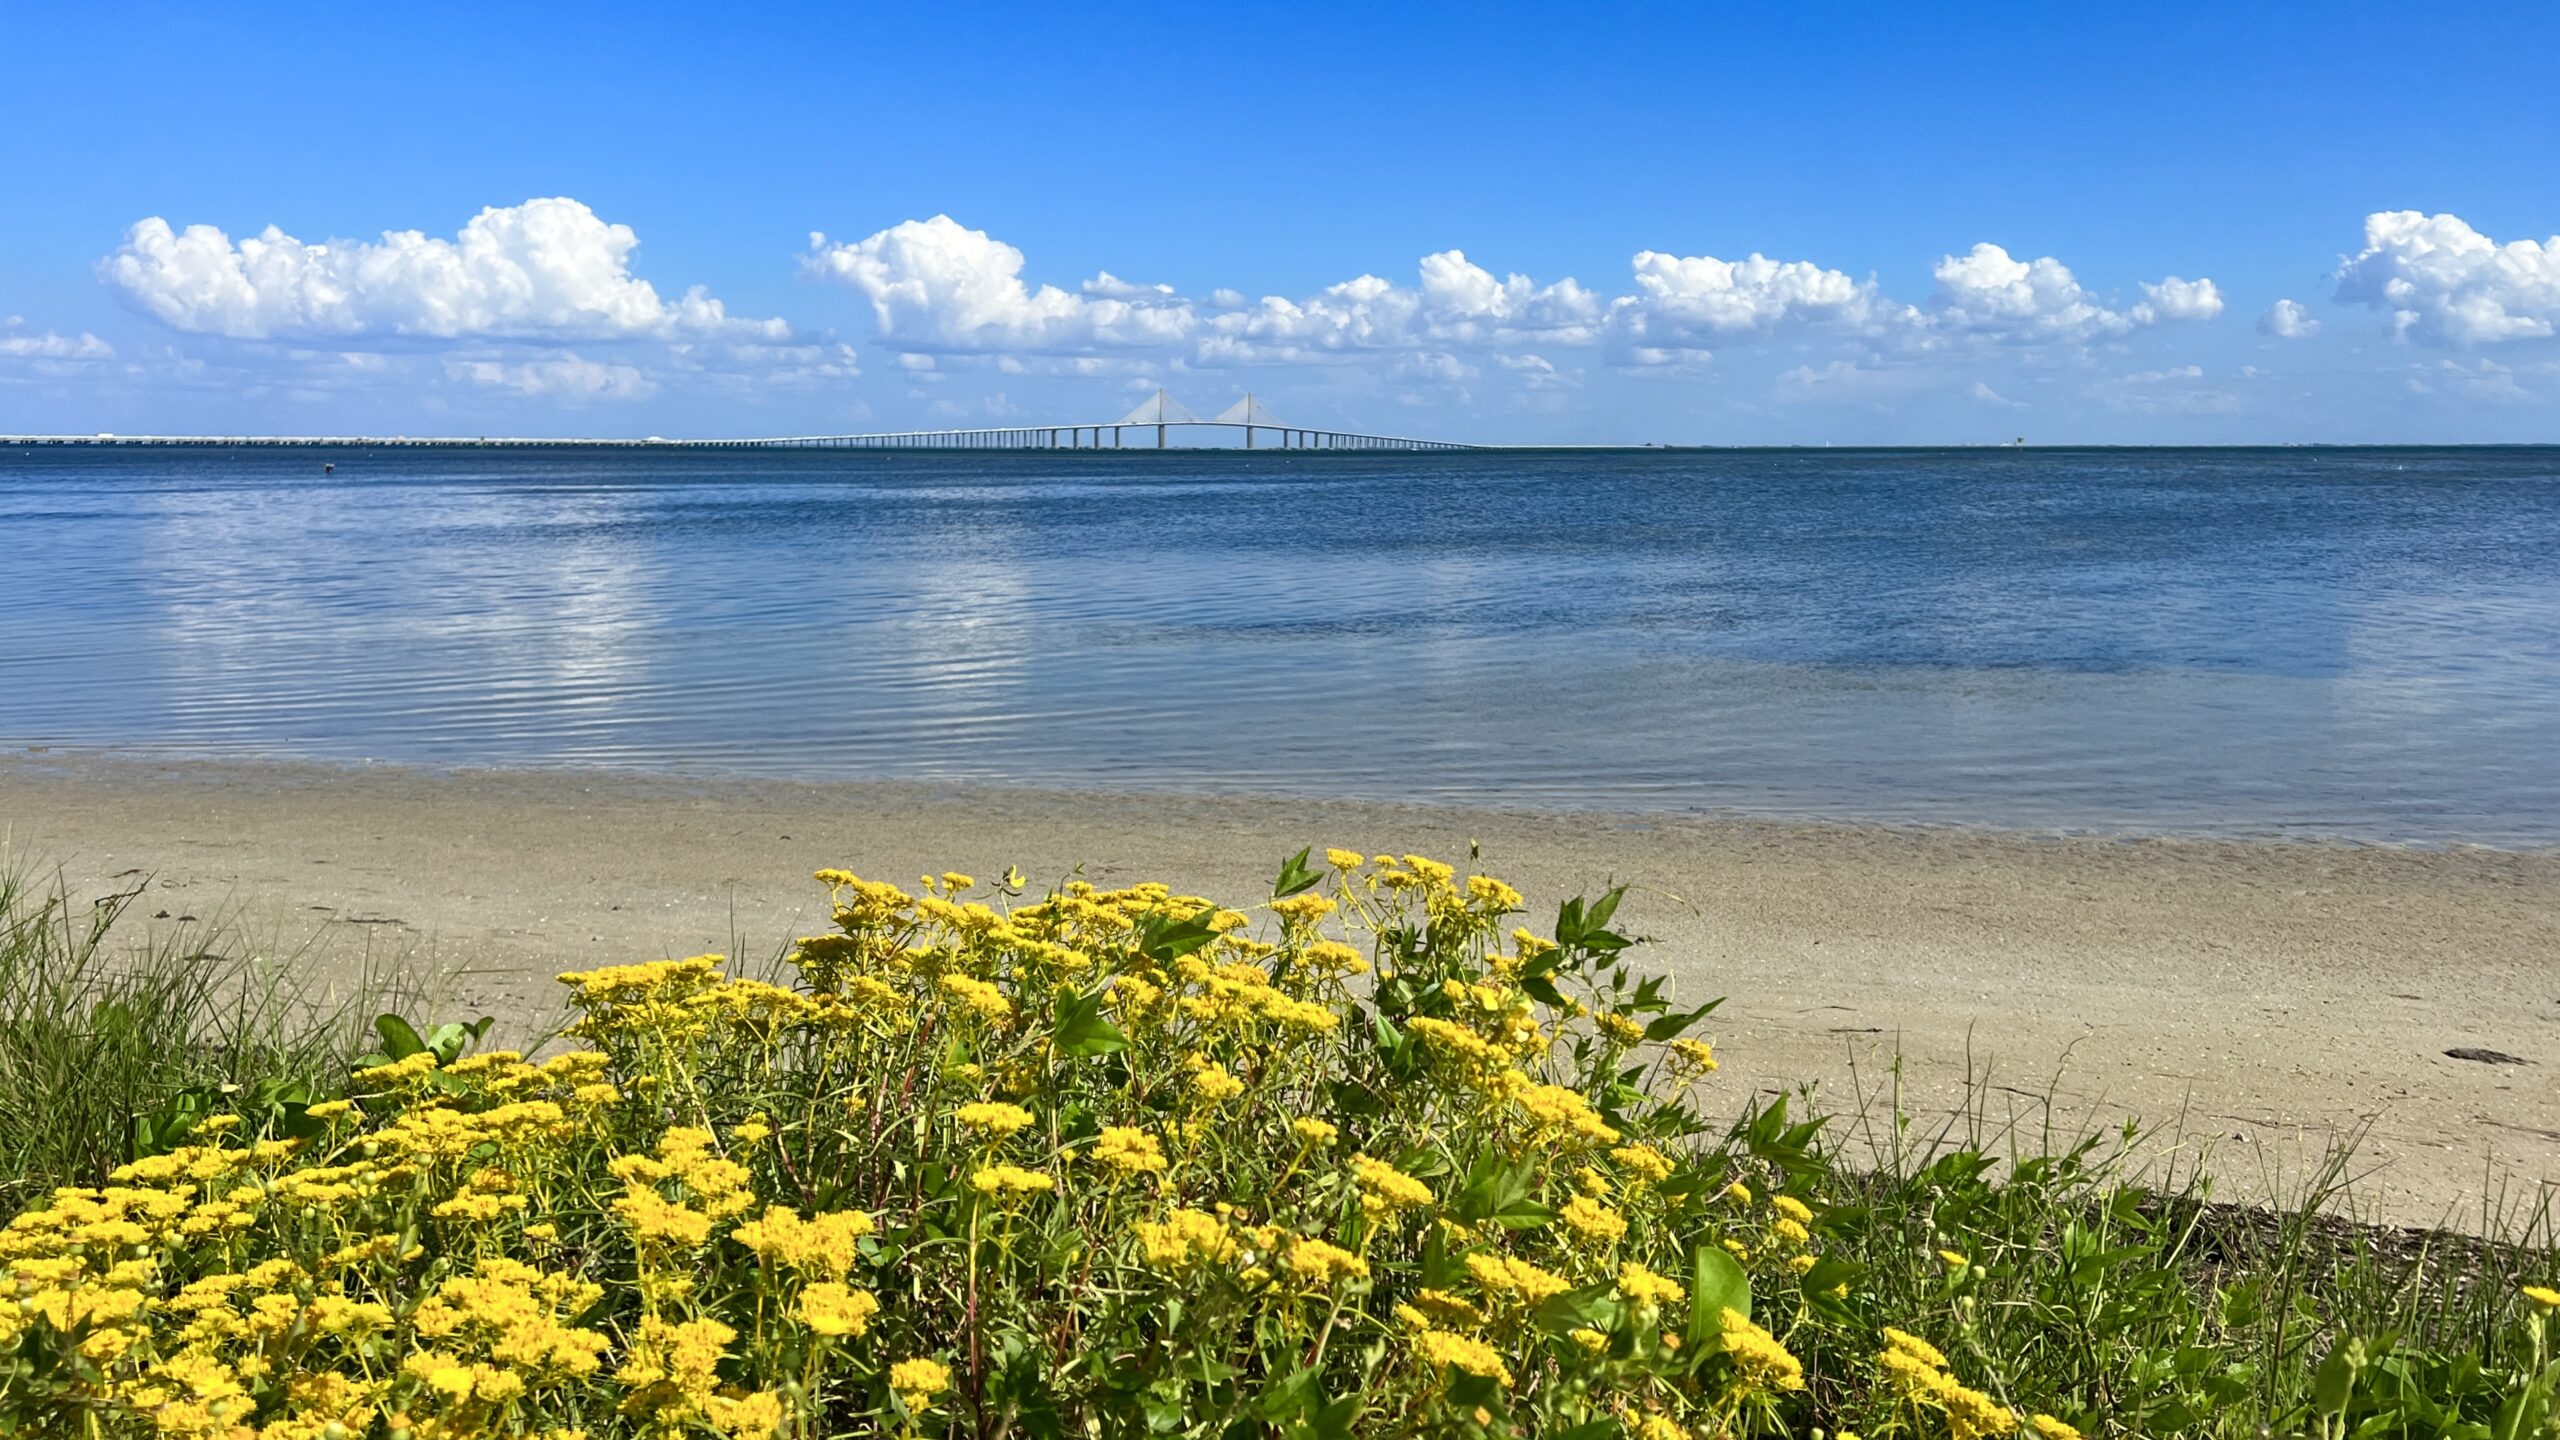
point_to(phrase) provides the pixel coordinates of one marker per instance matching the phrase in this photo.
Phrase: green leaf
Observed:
(2335, 1381)
(1589, 1308)
(1672, 1024)
(1081, 1030)
(1296, 876)
(1164, 940)
(1286, 1399)
(399, 1038)
(1334, 1419)
(1502, 1194)
(1716, 1284)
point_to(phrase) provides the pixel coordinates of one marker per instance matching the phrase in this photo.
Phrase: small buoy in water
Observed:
(327, 469)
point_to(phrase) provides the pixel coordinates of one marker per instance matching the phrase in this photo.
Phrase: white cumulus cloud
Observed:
(1685, 302)
(1987, 290)
(16, 344)
(2445, 283)
(937, 283)
(949, 298)
(564, 377)
(2289, 320)
(2176, 299)
(546, 269)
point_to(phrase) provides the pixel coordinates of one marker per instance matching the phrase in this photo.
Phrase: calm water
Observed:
(2361, 643)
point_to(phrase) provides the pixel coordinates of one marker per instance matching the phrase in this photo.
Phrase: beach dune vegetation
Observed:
(1367, 1157)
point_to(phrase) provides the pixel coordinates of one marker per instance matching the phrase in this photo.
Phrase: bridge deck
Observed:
(1011, 437)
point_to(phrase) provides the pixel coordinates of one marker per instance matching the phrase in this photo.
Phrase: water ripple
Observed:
(2283, 641)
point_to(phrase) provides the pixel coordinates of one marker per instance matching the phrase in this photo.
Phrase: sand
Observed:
(2253, 1001)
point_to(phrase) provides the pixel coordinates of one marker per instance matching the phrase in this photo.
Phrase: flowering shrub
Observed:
(1376, 1161)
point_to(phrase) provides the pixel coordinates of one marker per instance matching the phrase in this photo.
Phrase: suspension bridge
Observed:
(1161, 414)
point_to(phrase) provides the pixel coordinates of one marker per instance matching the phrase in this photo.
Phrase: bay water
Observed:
(2360, 643)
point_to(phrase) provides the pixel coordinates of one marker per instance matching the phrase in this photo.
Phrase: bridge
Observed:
(1161, 413)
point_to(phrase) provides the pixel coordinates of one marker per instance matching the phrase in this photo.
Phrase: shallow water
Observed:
(2361, 643)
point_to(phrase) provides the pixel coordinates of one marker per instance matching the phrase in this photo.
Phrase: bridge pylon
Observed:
(1249, 413)
(1159, 410)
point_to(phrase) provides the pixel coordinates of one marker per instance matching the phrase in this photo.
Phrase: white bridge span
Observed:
(1162, 414)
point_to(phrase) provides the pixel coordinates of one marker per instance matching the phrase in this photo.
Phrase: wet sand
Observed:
(2255, 1000)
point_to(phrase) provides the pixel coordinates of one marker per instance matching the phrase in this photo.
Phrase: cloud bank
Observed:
(938, 286)
(2445, 283)
(540, 304)
(543, 270)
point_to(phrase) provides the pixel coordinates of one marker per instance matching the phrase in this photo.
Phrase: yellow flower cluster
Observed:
(972, 1129)
(1384, 1189)
(1917, 1372)
(1762, 1363)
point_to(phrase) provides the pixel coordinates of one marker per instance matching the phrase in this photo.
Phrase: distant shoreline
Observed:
(2282, 993)
(766, 444)
(1502, 808)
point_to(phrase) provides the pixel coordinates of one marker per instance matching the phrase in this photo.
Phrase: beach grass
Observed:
(112, 1024)
(1365, 1157)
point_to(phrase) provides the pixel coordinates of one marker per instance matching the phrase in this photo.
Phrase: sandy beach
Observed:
(2256, 1000)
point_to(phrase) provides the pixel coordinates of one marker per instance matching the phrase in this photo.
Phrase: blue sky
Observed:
(1243, 198)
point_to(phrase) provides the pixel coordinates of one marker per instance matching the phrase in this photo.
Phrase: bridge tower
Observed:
(1249, 413)
(1159, 410)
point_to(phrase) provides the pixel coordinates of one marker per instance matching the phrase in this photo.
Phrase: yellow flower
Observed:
(916, 1382)
(1793, 1208)
(824, 1245)
(2543, 1297)
(1311, 1131)
(1305, 909)
(1461, 1352)
(1619, 1028)
(1645, 1287)
(1738, 1193)
(832, 1308)
(2049, 1428)
(1955, 1263)
(1559, 1111)
(1449, 1309)
(1344, 859)
(1212, 1085)
(649, 1215)
(673, 1366)
(1384, 1189)
(1759, 1361)
(1185, 1238)
(977, 996)
(1643, 1162)
(1129, 1150)
(1320, 1263)
(993, 1116)
(1593, 1220)
(1906, 1343)
(1791, 1232)
(1002, 1180)
(1694, 1055)
(1504, 1275)
(757, 1415)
